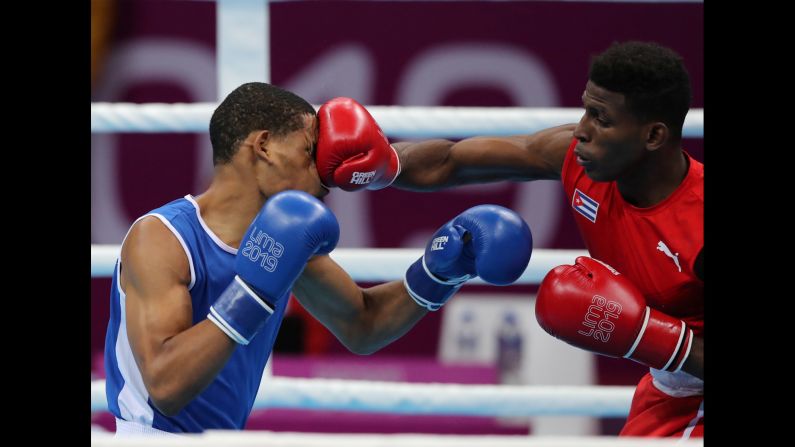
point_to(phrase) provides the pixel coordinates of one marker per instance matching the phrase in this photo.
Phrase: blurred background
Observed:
(409, 53)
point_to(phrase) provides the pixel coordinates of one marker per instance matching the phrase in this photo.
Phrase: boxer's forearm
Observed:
(389, 314)
(425, 165)
(694, 365)
(364, 320)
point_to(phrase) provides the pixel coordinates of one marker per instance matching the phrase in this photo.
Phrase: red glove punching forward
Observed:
(352, 151)
(592, 306)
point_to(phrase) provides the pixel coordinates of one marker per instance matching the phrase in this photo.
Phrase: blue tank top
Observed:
(227, 402)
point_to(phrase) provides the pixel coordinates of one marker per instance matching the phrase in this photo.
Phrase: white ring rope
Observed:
(254, 438)
(430, 398)
(373, 265)
(396, 121)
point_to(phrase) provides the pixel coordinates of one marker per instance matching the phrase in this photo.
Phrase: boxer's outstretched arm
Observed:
(436, 164)
(364, 320)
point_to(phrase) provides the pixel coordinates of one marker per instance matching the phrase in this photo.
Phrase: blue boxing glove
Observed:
(290, 228)
(489, 241)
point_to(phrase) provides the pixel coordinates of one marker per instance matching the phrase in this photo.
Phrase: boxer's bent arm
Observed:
(177, 360)
(436, 164)
(694, 365)
(364, 320)
(698, 265)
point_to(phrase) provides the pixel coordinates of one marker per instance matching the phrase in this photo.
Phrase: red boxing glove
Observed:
(592, 306)
(352, 151)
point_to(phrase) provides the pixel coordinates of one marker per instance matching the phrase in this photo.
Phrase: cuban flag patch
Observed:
(585, 205)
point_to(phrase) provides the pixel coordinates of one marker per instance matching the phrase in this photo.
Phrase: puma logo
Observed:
(675, 256)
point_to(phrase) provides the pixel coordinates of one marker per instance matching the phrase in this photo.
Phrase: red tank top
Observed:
(655, 247)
